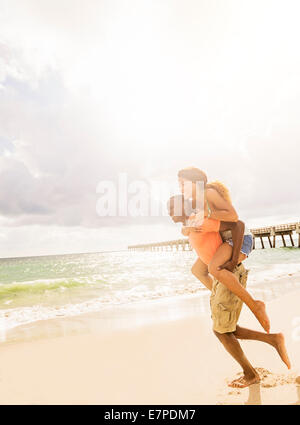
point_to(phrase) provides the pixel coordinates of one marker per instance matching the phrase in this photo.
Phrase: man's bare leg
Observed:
(233, 347)
(276, 340)
(200, 271)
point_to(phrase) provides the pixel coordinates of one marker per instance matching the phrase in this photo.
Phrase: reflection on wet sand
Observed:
(254, 396)
(298, 395)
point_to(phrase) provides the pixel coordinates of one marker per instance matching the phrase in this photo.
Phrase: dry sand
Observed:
(175, 362)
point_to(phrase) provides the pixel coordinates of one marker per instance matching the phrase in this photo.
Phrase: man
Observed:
(226, 307)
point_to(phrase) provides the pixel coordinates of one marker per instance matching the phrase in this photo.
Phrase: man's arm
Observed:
(237, 230)
(222, 210)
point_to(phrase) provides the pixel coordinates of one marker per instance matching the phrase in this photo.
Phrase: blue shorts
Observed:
(247, 244)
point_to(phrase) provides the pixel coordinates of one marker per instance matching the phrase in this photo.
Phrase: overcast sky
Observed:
(91, 89)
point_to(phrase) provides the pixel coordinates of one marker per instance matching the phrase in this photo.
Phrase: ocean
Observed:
(34, 289)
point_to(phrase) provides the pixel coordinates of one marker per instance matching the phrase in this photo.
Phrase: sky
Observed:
(94, 90)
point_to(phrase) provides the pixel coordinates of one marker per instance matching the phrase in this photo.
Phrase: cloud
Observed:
(145, 88)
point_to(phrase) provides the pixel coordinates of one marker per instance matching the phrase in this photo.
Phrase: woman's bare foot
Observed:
(260, 313)
(245, 381)
(279, 344)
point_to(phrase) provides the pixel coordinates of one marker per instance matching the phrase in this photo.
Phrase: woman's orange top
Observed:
(207, 242)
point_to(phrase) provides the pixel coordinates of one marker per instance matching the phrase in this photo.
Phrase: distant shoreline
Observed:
(55, 255)
(106, 252)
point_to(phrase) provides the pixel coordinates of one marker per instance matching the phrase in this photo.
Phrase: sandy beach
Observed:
(172, 362)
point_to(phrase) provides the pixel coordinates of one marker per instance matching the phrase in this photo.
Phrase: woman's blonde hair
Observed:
(220, 188)
(194, 174)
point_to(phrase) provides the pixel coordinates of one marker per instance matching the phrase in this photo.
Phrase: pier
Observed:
(280, 230)
(261, 233)
(175, 245)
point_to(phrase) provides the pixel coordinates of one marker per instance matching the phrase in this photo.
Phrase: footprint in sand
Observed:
(269, 379)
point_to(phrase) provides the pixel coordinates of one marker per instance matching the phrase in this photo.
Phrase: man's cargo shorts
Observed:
(225, 305)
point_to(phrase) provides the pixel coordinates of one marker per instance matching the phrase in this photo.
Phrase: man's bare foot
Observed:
(279, 344)
(261, 315)
(245, 381)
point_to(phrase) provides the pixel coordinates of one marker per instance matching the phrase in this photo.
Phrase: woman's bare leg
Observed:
(200, 270)
(228, 279)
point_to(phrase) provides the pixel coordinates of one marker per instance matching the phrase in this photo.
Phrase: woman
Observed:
(218, 206)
